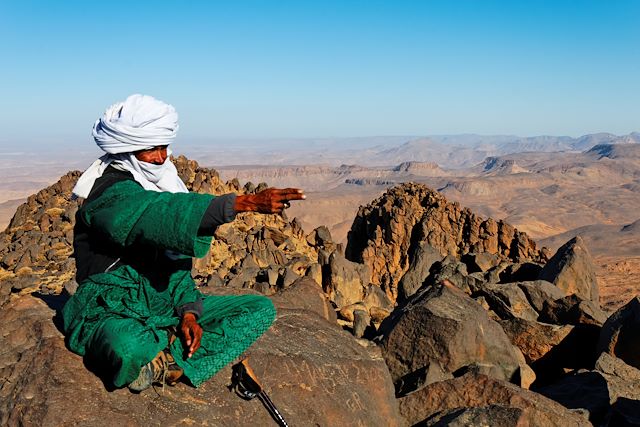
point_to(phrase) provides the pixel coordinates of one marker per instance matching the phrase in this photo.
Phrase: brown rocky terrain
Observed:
(36, 246)
(385, 233)
(505, 316)
(320, 378)
(550, 196)
(267, 253)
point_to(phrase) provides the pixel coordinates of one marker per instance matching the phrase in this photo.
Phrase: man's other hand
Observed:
(191, 333)
(271, 200)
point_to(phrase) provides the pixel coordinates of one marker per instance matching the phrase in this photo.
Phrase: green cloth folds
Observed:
(120, 319)
(126, 214)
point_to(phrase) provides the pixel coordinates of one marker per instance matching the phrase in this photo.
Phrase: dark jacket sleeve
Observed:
(220, 211)
(126, 215)
(192, 307)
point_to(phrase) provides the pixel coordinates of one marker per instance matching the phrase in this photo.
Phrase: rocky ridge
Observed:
(36, 248)
(503, 317)
(385, 234)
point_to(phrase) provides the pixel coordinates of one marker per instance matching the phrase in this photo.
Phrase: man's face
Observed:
(156, 155)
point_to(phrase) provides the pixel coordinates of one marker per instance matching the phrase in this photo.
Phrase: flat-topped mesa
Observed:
(420, 168)
(386, 233)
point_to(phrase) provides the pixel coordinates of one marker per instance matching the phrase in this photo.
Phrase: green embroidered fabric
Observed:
(119, 319)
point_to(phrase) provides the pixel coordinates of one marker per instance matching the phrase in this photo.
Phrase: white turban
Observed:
(139, 123)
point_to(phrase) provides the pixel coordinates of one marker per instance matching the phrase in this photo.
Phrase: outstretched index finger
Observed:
(292, 193)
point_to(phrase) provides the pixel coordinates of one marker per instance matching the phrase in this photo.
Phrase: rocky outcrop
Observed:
(345, 281)
(572, 270)
(454, 271)
(321, 378)
(268, 252)
(460, 336)
(386, 234)
(418, 355)
(303, 294)
(490, 415)
(445, 307)
(204, 180)
(572, 310)
(500, 166)
(552, 350)
(433, 403)
(540, 292)
(620, 335)
(37, 245)
(480, 262)
(534, 339)
(609, 393)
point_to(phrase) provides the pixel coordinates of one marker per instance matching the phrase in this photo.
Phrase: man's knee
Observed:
(262, 310)
(124, 340)
(260, 306)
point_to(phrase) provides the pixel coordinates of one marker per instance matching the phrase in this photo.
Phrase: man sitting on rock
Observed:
(134, 238)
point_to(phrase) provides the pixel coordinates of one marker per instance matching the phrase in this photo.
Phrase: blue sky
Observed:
(268, 69)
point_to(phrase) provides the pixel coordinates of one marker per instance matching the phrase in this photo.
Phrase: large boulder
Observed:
(613, 367)
(552, 349)
(624, 390)
(321, 377)
(572, 270)
(572, 310)
(483, 261)
(534, 339)
(508, 301)
(455, 272)
(620, 335)
(344, 280)
(490, 415)
(539, 292)
(423, 258)
(305, 294)
(520, 272)
(610, 392)
(437, 401)
(443, 325)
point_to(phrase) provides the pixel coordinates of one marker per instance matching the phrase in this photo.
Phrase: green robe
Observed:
(119, 319)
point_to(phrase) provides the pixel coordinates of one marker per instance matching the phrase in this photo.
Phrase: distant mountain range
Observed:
(447, 151)
(460, 151)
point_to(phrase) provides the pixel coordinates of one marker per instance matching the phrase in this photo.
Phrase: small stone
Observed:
(264, 288)
(378, 314)
(70, 287)
(315, 272)
(323, 236)
(347, 312)
(272, 276)
(289, 277)
(360, 323)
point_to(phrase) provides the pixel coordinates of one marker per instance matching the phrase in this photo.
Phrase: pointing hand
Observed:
(271, 200)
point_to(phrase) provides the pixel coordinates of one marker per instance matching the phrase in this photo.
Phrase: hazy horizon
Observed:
(88, 147)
